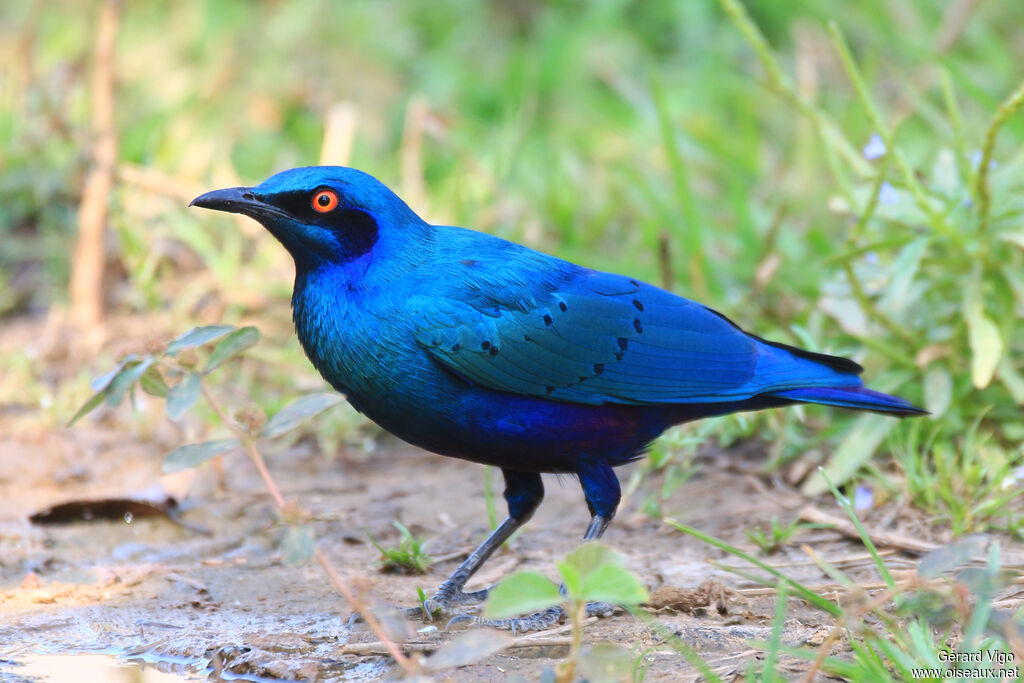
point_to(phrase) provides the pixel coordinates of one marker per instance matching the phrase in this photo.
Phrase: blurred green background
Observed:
(651, 138)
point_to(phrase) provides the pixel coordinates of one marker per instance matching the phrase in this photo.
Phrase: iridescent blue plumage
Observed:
(482, 349)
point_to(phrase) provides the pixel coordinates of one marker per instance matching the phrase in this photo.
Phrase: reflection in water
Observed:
(98, 668)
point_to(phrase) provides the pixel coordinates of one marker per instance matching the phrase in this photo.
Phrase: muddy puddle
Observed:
(99, 667)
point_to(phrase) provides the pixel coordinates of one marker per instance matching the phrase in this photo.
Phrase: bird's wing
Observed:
(601, 338)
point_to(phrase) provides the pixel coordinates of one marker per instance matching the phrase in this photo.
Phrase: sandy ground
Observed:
(155, 589)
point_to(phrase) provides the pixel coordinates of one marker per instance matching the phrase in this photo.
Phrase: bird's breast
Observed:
(358, 345)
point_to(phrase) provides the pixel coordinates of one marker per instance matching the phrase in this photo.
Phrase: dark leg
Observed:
(602, 493)
(523, 493)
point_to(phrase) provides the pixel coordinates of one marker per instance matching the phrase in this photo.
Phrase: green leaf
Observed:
(1011, 379)
(89, 406)
(153, 383)
(982, 333)
(468, 648)
(125, 379)
(572, 579)
(297, 412)
(593, 554)
(101, 382)
(614, 584)
(297, 544)
(197, 336)
(904, 268)
(986, 348)
(523, 592)
(855, 449)
(232, 345)
(183, 396)
(948, 557)
(193, 454)
(581, 563)
(938, 391)
(981, 581)
(1013, 237)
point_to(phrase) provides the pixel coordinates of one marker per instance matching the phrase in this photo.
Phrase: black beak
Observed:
(236, 200)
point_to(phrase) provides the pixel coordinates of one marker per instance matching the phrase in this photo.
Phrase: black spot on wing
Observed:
(637, 326)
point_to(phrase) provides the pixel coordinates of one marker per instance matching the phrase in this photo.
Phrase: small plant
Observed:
(969, 486)
(178, 373)
(592, 573)
(931, 263)
(408, 557)
(776, 535)
(898, 631)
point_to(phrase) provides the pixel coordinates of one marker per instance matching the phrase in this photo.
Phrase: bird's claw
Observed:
(444, 600)
(601, 609)
(538, 621)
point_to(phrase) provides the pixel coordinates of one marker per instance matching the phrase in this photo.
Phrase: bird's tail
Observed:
(860, 398)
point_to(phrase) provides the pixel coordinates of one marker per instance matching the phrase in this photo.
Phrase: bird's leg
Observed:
(596, 528)
(523, 493)
(602, 492)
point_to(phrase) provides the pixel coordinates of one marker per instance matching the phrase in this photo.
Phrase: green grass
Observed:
(776, 535)
(893, 633)
(408, 557)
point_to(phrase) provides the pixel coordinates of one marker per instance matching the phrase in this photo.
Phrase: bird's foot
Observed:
(538, 621)
(445, 599)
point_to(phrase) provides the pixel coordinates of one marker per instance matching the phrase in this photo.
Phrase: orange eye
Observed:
(325, 200)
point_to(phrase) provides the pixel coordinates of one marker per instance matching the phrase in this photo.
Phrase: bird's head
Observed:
(321, 214)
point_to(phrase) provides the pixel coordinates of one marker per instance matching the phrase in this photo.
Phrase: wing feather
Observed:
(596, 338)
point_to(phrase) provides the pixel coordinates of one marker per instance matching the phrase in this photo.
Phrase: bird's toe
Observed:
(538, 621)
(601, 609)
(443, 601)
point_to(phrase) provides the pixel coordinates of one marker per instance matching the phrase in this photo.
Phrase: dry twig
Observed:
(846, 528)
(87, 265)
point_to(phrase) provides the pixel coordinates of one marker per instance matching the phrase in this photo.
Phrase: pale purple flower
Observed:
(875, 148)
(887, 194)
(863, 499)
